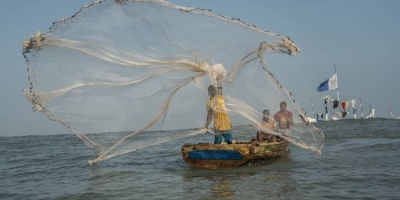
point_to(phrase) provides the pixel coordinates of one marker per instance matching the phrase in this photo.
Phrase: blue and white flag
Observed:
(329, 84)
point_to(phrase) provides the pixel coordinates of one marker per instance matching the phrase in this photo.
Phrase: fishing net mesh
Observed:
(124, 75)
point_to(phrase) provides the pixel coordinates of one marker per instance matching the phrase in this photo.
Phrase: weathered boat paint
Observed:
(226, 156)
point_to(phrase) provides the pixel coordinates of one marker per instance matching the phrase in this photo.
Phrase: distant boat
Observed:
(312, 120)
(371, 113)
(331, 84)
(226, 156)
(320, 118)
(390, 109)
(334, 119)
(325, 116)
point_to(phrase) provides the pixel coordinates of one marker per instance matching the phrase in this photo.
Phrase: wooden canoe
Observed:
(226, 156)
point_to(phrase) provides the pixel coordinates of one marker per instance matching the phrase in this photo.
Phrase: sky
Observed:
(359, 37)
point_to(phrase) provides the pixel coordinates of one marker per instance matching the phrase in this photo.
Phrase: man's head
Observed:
(283, 105)
(212, 91)
(266, 113)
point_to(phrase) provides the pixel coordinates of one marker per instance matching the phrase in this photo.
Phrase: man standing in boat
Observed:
(284, 118)
(216, 107)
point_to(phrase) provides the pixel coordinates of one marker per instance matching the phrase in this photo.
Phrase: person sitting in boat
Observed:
(266, 123)
(284, 118)
(222, 123)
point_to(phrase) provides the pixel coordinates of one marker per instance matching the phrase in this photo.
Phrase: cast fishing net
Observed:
(123, 74)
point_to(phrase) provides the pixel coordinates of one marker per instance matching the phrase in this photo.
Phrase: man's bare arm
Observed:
(209, 118)
(291, 121)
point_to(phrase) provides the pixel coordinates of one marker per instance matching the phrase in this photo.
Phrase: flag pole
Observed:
(337, 90)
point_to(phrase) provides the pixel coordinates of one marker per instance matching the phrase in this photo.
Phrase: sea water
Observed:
(360, 160)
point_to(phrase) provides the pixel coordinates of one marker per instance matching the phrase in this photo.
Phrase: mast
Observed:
(361, 108)
(370, 109)
(312, 107)
(326, 102)
(337, 91)
(353, 101)
(390, 109)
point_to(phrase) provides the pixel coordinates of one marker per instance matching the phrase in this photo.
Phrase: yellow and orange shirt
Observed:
(221, 119)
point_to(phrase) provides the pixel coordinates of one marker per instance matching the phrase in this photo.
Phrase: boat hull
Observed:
(227, 156)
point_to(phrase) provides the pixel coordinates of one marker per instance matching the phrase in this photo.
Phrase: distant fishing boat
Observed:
(226, 156)
(341, 114)
(390, 109)
(332, 84)
(371, 113)
(329, 84)
(311, 120)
